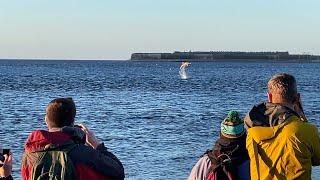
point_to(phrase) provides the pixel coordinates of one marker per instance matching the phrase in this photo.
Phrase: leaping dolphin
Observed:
(184, 65)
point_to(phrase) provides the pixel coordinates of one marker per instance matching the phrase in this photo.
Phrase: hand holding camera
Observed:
(3, 152)
(5, 162)
(90, 137)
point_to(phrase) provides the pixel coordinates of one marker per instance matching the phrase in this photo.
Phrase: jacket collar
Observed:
(267, 115)
(40, 138)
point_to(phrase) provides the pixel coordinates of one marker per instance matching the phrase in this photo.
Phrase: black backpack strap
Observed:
(222, 164)
(213, 161)
(66, 146)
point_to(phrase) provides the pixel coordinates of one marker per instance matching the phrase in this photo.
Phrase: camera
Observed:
(4, 151)
(76, 126)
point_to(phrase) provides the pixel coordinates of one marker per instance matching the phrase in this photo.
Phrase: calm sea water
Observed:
(155, 122)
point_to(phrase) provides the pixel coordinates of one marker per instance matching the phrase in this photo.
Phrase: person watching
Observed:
(229, 158)
(280, 142)
(89, 156)
(5, 166)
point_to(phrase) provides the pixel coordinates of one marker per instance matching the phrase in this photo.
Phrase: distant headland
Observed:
(262, 56)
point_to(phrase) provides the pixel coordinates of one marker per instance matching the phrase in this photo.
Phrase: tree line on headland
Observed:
(227, 56)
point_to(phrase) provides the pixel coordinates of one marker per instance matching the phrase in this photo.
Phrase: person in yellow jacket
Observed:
(280, 142)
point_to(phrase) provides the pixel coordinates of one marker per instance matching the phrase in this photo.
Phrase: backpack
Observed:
(222, 167)
(53, 163)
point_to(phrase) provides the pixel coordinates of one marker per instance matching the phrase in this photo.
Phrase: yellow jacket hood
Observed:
(267, 118)
(280, 144)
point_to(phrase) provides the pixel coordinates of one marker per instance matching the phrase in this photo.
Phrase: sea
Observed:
(157, 123)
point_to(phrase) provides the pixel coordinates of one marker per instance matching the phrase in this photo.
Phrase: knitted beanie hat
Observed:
(232, 125)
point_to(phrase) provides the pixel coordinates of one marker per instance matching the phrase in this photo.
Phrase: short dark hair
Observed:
(284, 85)
(61, 112)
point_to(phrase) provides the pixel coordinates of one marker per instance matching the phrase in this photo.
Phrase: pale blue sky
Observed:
(105, 29)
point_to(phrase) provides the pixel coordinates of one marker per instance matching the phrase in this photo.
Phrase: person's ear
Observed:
(45, 119)
(270, 97)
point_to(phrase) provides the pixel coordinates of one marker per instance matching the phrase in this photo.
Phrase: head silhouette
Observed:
(282, 88)
(60, 112)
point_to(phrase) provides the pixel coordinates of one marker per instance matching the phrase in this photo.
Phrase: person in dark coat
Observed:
(90, 157)
(231, 146)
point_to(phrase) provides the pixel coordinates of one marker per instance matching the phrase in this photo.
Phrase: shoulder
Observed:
(203, 163)
(94, 164)
(305, 132)
(201, 169)
(83, 154)
(302, 126)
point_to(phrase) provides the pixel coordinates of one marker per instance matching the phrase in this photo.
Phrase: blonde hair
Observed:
(284, 85)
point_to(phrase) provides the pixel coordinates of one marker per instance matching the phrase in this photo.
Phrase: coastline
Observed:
(227, 56)
(229, 60)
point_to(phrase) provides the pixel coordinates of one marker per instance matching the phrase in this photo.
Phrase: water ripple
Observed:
(156, 123)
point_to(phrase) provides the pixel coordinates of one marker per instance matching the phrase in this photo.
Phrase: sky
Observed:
(114, 29)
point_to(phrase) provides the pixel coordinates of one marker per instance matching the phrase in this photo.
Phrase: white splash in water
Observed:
(182, 71)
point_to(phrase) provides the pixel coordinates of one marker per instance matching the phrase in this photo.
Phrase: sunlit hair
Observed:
(61, 112)
(284, 85)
